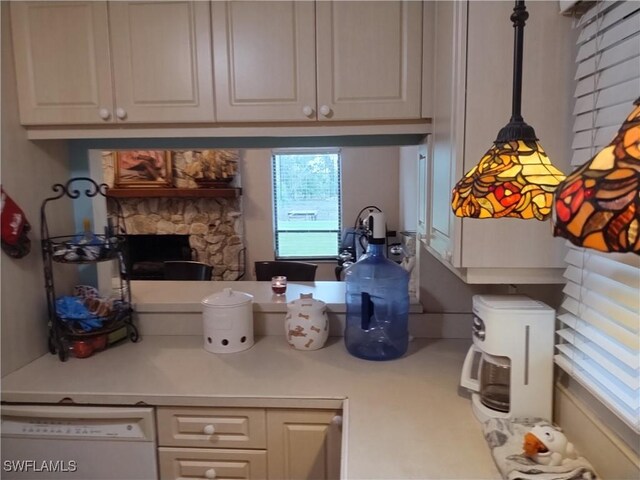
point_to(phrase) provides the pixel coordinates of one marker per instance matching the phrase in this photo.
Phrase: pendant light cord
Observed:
(517, 128)
(519, 18)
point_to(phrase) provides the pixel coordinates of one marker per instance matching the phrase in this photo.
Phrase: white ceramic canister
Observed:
(227, 321)
(306, 323)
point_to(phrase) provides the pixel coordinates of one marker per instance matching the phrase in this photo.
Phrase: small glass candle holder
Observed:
(279, 284)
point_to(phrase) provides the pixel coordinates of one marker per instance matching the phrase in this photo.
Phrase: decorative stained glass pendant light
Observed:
(598, 205)
(515, 178)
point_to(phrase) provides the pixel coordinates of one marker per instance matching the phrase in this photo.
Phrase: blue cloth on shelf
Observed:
(72, 309)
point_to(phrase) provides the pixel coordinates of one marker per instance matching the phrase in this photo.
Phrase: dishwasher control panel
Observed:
(71, 428)
(78, 422)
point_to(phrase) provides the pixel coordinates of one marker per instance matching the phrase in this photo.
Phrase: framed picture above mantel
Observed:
(143, 169)
(181, 169)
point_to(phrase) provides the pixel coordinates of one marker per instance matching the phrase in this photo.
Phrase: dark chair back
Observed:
(294, 271)
(186, 270)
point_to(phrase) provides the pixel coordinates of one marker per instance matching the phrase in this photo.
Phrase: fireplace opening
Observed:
(146, 254)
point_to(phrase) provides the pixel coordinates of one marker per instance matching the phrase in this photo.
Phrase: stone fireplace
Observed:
(214, 225)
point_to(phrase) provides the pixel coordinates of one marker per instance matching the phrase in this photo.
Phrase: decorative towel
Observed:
(506, 437)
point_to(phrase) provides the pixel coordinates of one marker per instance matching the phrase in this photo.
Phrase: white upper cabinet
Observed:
(61, 52)
(471, 102)
(265, 68)
(445, 162)
(174, 61)
(365, 58)
(369, 63)
(160, 52)
(162, 61)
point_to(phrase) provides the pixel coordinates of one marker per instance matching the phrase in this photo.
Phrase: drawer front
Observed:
(190, 463)
(212, 427)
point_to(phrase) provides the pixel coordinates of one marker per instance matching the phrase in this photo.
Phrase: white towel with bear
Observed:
(506, 438)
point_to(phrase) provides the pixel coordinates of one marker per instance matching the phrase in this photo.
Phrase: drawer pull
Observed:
(211, 473)
(209, 430)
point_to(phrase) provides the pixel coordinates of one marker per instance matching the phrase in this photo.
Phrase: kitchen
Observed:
(30, 167)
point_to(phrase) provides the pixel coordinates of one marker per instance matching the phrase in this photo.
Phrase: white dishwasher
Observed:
(72, 442)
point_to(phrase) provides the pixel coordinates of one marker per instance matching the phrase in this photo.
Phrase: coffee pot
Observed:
(509, 366)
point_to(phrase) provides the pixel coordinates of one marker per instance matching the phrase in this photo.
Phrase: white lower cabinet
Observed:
(248, 443)
(304, 444)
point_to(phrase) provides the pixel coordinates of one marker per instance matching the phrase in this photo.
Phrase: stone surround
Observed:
(214, 225)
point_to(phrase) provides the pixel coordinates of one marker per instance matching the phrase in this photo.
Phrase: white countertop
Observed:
(403, 418)
(182, 296)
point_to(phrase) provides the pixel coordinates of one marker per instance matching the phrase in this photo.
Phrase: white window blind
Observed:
(599, 319)
(306, 204)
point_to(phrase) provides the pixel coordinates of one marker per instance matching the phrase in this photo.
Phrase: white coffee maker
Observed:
(509, 367)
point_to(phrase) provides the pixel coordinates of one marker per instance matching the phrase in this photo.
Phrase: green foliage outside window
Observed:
(307, 204)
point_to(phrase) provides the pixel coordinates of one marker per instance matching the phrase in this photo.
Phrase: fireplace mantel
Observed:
(174, 192)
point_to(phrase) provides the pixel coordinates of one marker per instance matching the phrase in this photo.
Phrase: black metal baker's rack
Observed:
(64, 333)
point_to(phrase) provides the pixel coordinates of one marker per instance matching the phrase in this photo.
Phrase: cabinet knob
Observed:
(307, 110)
(211, 473)
(448, 254)
(209, 430)
(121, 113)
(325, 110)
(337, 420)
(104, 113)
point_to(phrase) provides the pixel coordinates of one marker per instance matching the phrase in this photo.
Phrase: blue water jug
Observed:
(377, 307)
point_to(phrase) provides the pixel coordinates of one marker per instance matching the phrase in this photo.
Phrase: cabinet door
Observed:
(422, 193)
(428, 8)
(303, 444)
(61, 52)
(162, 61)
(369, 60)
(189, 463)
(265, 67)
(446, 162)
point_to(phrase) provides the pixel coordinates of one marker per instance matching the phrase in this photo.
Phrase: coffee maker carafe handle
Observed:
(466, 379)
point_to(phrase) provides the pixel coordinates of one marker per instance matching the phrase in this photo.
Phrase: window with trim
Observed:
(306, 204)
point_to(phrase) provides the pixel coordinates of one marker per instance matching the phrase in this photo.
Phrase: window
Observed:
(306, 204)
(599, 316)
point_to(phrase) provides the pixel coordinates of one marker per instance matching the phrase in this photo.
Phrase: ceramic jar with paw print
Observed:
(306, 323)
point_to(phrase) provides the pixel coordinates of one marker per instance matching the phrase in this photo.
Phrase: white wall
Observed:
(369, 177)
(28, 171)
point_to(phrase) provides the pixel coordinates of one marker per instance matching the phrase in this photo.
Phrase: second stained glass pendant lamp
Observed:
(598, 205)
(515, 178)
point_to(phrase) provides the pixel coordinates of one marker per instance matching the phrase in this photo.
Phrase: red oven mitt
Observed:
(15, 228)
